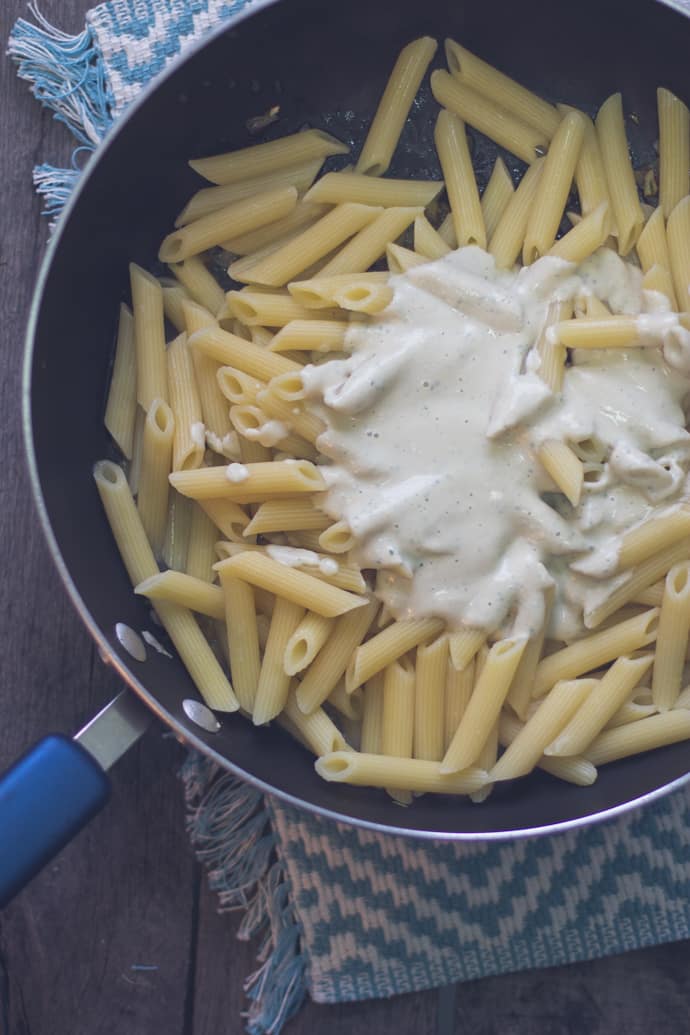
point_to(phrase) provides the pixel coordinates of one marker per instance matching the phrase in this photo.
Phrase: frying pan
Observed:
(325, 65)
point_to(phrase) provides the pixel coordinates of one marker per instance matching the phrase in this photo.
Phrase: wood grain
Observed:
(120, 936)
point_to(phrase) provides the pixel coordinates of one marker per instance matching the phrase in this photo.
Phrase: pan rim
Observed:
(106, 651)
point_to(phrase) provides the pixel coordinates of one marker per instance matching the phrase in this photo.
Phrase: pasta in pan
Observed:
(395, 497)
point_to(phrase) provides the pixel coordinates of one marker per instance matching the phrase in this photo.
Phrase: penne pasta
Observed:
(459, 686)
(149, 337)
(652, 247)
(585, 238)
(201, 546)
(613, 144)
(336, 188)
(427, 241)
(394, 106)
(385, 771)
(564, 467)
(400, 259)
(286, 515)
(674, 150)
(645, 540)
(643, 575)
(370, 243)
(174, 295)
(481, 113)
(156, 460)
(678, 236)
(509, 235)
(242, 637)
(464, 644)
(331, 662)
(429, 700)
(201, 286)
(310, 336)
(461, 187)
(247, 482)
(121, 407)
(186, 591)
(572, 770)
(553, 188)
(499, 190)
(372, 716)
(387, 646)
(211, 199)
(274, 682)
(263, 159)
(216, 227)
(672, 638)
(637, 737)
(305, 642)
(189, 437)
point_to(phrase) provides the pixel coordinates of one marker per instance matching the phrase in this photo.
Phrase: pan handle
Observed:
(57, 786)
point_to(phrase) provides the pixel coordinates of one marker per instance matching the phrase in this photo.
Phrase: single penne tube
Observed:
(338, 187)
(311, 593)
(552, 355)
(149, 336)
(242, 637)
(243, 482)
(400, 259)
(427, 240)
(674, 149)
(305, 642)
(285, 516)
(274, 235)
(137, 450)
(214, 408)
(447, 231)
(372, 716)
(317, 730)
(459, 686)
(263, 159)
(189, 438)
(270, 310)
(201, 546)
(337, 538)
(228, 350)
(464, 644)
(641, 576)
(496, 123)
(199, 283)
(520, 694)
(210, 199)
(499, 190)
(660, 280)
(174, 553)
(331, 661)
(614, 332)
(121, 407)
(156, 461)
(388, 645)
(197, 657)
(672, 638)
(173, 297)
(429, 700)
(590, 175)
(573, 770)
(228, 517)
(274, 682)
(678, 236)
(553, 714)
(584, 239)
(553, 188)
(650, 597)
(412, 774)
(185, 590)
(341, 223)
(394, 106)
(397, 729)
(612, 691)
(563, 467)
(450, 139)
(237, 218)
(490, 691)
(362, 250)
(645, 540)
(627, 213)
(237, 387)
(637, 737)
(595, 650)
(652, 247)
(125, 522)
(501, 89)
(310, 336)
(509, 236)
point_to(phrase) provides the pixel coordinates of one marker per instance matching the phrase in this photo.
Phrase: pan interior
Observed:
(325, 66)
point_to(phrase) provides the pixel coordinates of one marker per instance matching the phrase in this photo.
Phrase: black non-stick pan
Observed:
(325, 65)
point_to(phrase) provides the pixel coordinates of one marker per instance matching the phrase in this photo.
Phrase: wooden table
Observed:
(120, 936)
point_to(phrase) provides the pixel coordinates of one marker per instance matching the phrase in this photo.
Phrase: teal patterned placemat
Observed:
(348, 914)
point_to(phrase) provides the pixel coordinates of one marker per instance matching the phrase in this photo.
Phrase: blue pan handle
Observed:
(57, 786)
(46, 797)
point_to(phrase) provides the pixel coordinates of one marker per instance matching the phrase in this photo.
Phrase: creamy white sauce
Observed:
(435, 419)
(268, 434)
(296, 557)
(236, 473)
(197, 433)
(228, 445)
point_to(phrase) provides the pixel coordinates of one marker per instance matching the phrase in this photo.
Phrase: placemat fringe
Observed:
(230, 828)
(67, 75)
